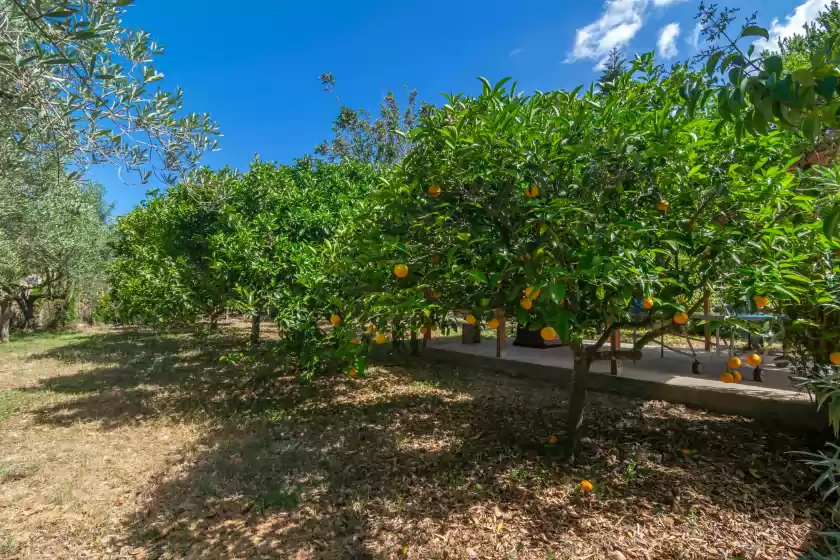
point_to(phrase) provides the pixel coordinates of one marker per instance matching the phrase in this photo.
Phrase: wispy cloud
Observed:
(667, 43)
(667, 2)
(694, 38)
(618, 24)
(794, 23)
(515, 52)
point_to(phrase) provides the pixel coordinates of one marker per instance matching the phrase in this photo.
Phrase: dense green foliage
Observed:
(252, 242)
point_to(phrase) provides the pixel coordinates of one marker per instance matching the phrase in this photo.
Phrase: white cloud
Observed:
(618, 24)
(667, 43)
(694, 38)
(660, 3)
(794, 23)
(515, 52)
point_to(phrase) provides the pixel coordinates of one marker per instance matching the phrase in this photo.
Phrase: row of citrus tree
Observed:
(557, 208)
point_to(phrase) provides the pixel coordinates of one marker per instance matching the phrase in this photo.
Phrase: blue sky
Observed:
(255, 65)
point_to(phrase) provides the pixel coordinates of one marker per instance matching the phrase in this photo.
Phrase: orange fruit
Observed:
(526, 304)
(647, 303)
(532, 292)
(835, 358)
(356, 341)
(727, 377)
(552, 440)
(434, 191)
(380, 338)
(353, 372)
(736, 375)
(663, 206)
(753, 359)
(586, 486)
(532, 192)
(335, 319)
(734, 362)
(493, 324)
(470, 319)
(547, 333)
(423, 330)
(401, 271)
(681, 318)
(760, 301)
(371, 328)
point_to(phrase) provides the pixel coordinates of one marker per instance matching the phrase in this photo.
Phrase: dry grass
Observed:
(128, 444)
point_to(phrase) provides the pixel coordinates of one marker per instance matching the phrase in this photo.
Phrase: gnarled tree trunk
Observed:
(5, 320)
(27, 307)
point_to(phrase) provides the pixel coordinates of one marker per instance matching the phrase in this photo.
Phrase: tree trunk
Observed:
(5, 321)
(415, 345)
(255, 330)
(214, 319)
(577, 402)
(27, 307)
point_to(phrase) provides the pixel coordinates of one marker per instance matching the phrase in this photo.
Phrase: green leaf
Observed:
(478, 275)
(754, 31)
(830, 221)
(773, 64)
(557, 292)
(711, 64)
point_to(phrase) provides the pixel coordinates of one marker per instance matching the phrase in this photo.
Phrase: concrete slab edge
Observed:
(799, 414)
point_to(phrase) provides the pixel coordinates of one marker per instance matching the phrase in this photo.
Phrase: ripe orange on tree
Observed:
(353, 372)
(736, 375)
(493, 323)
(727, 377)
(760, 301)
(586, 486)
(548, 333)
(734, 362)
(753, 359)
(681, 318)
(380, 338)
(647, 303)
(663, 205)
(532, 191)
(371, 328)
(401, 271)
(470, 319)
(434, 191)
(835, 358)
(552, 440)
(532, 292)
(526, 304)
(335, 319)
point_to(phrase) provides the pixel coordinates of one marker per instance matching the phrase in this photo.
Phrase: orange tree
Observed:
(560, 208)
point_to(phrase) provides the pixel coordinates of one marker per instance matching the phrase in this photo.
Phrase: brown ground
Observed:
(127, 444)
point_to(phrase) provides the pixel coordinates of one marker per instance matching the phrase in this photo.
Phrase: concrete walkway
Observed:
(666, 378)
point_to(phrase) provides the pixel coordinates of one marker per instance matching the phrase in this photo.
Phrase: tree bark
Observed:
(415, 344)
(255, 330)
(5, 321)
(214, 319)
(27, 307)
(577, 401)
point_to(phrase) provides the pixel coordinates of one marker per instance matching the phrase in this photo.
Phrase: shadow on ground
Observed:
(422, 462)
